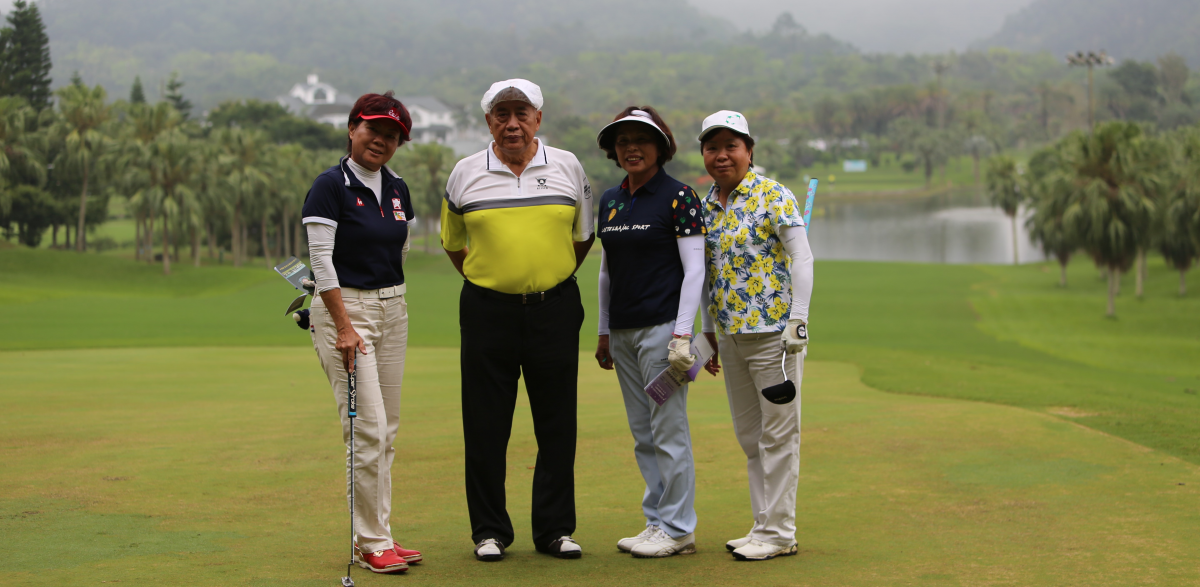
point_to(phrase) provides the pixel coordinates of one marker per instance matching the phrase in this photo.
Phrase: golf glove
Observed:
(679, 353)
(795, 336)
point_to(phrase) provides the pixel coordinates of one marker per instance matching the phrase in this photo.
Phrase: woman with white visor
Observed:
(651, 275)
(758, 281)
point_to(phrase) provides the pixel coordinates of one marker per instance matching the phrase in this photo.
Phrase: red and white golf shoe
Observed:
(409, 556)
(380, 561)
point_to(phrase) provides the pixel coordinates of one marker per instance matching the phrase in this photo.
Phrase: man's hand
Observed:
(679, 353)
(712, 366)
(795, 336)
(602, 356)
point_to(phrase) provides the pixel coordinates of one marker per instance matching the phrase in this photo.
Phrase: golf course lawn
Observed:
(178, 431)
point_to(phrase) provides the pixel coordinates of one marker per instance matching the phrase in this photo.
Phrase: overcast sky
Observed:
(879, 25)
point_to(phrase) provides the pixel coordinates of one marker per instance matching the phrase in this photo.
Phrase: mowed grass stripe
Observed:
(207, 466)
(992, 333)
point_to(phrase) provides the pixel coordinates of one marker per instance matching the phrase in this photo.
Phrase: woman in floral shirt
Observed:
(758, 282)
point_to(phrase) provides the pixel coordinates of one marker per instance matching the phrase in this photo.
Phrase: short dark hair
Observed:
(379, 104)
(665, 152)
(746, 139)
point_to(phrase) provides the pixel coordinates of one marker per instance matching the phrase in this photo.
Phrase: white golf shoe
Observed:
(737, 543)
(565, 547)
(757, 550)
(660, 544)
(489, 550)
(627, 544)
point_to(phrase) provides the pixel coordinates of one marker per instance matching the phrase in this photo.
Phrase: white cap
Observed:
(724, 119)
(528, 92)
(635, 116)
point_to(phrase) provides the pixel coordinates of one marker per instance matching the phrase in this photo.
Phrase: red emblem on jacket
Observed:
(359, 201)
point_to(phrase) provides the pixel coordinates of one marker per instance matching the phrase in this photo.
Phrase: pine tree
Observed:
(136, 95)
(174, 95)
(26, 56)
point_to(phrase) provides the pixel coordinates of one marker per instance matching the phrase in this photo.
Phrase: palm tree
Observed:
(243, 165)
(1154, 161)
(1045, 225)
(1179, 220)
(144, 123)
(19, 150)
(82, 113)
(1004, 189)
(1106, 188)
(171, 165)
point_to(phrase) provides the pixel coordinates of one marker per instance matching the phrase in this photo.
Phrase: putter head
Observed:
(780, 394)
(347, 582)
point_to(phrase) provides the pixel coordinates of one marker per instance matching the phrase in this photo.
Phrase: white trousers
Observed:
(383, 325)
(768, 433)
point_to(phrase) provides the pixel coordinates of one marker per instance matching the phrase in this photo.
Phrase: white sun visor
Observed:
(608, 133)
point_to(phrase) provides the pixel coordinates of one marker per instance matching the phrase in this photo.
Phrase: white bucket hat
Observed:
(724, 119)
(530, 91)
(607, 133)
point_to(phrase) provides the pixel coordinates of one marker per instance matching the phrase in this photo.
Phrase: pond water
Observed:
(958, 227)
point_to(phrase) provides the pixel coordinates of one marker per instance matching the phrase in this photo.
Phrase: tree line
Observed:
(235, 182)
(1115, 194)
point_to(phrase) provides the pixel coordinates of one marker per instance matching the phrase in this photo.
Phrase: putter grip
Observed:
(352, 391)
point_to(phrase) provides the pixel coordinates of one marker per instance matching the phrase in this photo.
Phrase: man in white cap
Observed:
(526, 210)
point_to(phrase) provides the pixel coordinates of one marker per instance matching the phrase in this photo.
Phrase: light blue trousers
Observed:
(662, 441)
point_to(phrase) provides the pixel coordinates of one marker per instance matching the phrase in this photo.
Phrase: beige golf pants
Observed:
(383, 326)
(769, 433)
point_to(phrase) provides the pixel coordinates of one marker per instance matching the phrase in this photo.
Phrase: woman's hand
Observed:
(602, 356)
(712, 366)
(347, 341)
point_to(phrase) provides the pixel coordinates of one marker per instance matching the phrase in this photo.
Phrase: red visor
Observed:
(391, 114)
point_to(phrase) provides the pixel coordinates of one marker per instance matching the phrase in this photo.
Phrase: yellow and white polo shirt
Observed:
(520, 229)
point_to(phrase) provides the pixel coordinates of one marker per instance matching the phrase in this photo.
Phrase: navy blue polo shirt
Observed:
(370, 235)
(638, 232)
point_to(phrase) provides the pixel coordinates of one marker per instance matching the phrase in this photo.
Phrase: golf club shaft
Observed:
(352, 412)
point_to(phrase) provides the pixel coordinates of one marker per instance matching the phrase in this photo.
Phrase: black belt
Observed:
(536, 297)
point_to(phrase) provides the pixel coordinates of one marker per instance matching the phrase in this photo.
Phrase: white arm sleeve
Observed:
(404, 254)
(795, 242)
(320, 255)
(691, 254)
(706, 319)
(603, 294)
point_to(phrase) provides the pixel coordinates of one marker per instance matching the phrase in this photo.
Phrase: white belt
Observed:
(373, 294)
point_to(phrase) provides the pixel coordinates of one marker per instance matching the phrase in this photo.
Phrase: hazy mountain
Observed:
(235, 48)
(885, 26)
(1126, 29)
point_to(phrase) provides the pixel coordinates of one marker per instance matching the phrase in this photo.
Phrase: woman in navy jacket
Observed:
(357, 215)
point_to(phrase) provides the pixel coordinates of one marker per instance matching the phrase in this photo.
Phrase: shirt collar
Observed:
(650, 186)
(742, 188)
(493, 163)
(352, 180)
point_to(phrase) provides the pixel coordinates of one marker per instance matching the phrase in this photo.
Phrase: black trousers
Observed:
(503, 340)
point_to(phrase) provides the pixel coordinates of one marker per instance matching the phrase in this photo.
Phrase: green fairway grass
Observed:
(204, 466)
(177, 430)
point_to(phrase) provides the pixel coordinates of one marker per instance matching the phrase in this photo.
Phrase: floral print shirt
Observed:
(748, 279)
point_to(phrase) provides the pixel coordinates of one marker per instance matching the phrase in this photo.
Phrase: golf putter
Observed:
(781, 393)
(351, 412)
